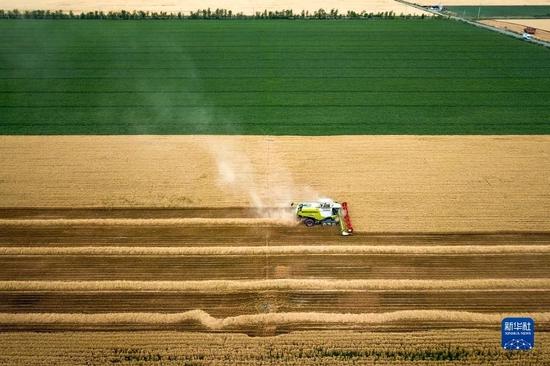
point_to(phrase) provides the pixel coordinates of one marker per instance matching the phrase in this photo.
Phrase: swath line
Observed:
(193, 221)
(276, 285)
(276, 250)
(210, 322)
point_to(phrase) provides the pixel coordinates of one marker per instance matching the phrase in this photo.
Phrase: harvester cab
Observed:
(325, 212)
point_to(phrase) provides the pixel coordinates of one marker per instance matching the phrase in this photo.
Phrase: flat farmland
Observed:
(518, 26)
(443, 347)
(257, 280)
(540, 24)
(392, 183)
(230, 294)
(168, 243)
(269, 77)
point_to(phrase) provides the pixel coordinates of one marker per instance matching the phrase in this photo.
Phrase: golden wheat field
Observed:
(436, 347)
(187, 249)
(184, 250)
(540, 24)
(518, 25)
(140, 286)
(399, 183)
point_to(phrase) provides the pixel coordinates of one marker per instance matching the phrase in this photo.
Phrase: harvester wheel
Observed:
(309, 222)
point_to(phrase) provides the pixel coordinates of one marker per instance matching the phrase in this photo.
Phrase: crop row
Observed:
(314, 63)
(233, 84)
(276, 284)
(276, 250)
(251, 72)
(282, 99)
(279, 120)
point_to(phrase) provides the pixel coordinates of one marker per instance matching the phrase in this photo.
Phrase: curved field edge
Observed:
(210, 322)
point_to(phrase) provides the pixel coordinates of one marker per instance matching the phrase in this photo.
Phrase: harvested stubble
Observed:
(275, 284)
(184, 222)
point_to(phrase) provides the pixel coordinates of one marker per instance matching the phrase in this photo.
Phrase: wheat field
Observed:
(400, 183)
(158, 286)
(185, 249)
(434, 347)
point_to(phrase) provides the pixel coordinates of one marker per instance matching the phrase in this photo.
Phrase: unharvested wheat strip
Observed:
(426, 173)
(211, 322)
(193, 221)
(275, 284)
(280, 250)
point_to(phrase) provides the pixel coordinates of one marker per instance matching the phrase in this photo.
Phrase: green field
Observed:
(517, 11)
(269, 77)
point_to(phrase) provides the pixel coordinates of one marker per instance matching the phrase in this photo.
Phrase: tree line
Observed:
(201, 14)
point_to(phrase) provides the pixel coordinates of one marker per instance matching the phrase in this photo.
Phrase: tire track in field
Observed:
(286, 266)
(250, 302)
(104, 270)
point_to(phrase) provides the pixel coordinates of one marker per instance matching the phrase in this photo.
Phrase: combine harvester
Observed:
(325, 212)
